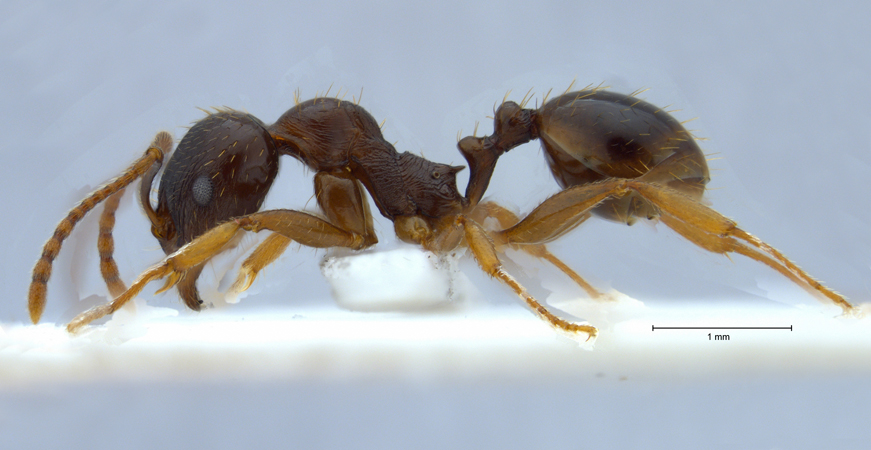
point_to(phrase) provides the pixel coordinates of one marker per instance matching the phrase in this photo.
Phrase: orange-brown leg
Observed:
(485, 253)
(716, 233)
(187, 287)
(344, 204)
(308, 230)
(693, 220)
(106, 246)
(42, 271)
(266, 253)
(507, 218)
(558, 214)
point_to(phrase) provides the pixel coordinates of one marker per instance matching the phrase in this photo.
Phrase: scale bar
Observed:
(654, 328)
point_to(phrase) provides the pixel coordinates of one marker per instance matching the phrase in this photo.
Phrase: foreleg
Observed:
(307, 229)
(344, 204)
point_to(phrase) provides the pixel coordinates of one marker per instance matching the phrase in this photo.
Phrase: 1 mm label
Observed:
(718, 337)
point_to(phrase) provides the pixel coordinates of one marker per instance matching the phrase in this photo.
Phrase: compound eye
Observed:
(202, 190)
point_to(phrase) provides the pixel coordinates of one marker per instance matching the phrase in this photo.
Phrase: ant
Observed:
(614, 155)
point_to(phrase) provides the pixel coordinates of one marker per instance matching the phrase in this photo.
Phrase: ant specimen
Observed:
(614, 155)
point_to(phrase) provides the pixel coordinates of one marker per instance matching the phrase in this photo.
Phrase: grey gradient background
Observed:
(780, 89)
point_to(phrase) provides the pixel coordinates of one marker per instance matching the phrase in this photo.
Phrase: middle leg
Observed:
(485, 253)
(507, 219)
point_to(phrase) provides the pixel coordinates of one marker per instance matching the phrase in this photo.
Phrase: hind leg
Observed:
(694, 221)
(714, 232)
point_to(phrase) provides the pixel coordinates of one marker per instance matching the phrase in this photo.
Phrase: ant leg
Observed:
(508, 219)
(42, 271)
(714, 232)
(302, 227)
(106, 246)
(174, 266)
(559, 214)
(485, 253)
(694, 221)
(266, 253)
(343, 203)
(187, 287)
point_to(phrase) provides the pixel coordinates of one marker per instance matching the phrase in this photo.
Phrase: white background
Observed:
(780, 89)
